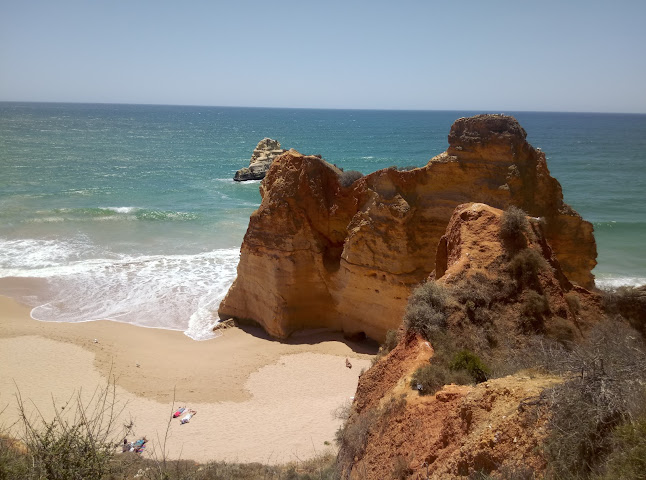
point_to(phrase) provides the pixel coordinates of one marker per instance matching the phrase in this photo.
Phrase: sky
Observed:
(567, 55)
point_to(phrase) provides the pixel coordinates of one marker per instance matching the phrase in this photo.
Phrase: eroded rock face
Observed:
(320, 254)
(460, 430)
(264, 153)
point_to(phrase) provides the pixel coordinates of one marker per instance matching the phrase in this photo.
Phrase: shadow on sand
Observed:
(362, 345)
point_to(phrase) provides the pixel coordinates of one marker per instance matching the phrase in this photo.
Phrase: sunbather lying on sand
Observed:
(188, 416)
(179, 411)
(137, 446)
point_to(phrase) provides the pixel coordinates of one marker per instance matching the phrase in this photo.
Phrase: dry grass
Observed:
(605, 389)
(16, 464)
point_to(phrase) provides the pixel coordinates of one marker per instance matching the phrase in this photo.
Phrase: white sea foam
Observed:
(613, 281)
(121, 209)
(18, 256)
(177, 292)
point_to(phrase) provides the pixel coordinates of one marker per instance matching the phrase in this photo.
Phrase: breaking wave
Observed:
(177, 292)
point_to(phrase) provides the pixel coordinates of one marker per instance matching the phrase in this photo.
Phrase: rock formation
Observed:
(462, 430)
(458, 432)
(318, 253)
(261, 158)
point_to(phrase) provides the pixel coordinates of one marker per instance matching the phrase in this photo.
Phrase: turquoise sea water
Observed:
(129, 212)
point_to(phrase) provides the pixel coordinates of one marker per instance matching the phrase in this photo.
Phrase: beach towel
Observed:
(179, 412)
(139, 445)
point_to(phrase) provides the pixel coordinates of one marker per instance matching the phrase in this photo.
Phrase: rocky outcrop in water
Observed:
(261, 158)
(323, 252)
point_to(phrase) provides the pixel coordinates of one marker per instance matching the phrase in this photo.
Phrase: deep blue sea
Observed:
(130, 213)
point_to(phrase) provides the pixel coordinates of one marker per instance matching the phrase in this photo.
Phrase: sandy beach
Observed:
(256, 399)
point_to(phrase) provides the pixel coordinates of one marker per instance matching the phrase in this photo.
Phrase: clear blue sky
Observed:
(566, 55)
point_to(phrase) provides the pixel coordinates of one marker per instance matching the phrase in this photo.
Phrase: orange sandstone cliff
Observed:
(321, 253)
(394, 431)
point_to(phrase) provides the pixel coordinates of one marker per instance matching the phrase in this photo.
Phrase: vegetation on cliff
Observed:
(503, 307)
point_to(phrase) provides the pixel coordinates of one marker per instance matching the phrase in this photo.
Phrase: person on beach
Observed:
(139, 445)
(187, 417)
(179, 412)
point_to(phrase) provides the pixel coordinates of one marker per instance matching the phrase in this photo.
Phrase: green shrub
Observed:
(390, 342)
(630, 303)
(424, 319)
(573, 302)
(428, 379)
(426, 309)
(322, 467)
(471, 363)
(476, 289)
(477, 293)
(525, 267)
(13, 463)
(347, 178)
(562, 330)
(627, 459)
(535, 304)
(431, 293)
(533, 308)
(80, 445)
(513, 228)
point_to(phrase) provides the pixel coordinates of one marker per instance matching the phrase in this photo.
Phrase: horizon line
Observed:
(317, 108)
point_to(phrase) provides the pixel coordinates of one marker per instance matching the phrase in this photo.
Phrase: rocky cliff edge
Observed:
(395, 431)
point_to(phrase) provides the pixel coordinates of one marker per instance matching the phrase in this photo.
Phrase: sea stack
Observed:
(261, 158)
(321, 253)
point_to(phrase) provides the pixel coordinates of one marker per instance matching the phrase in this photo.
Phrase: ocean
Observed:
(130, 213)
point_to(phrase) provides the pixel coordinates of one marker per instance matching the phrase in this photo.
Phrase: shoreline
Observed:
(258, 399)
